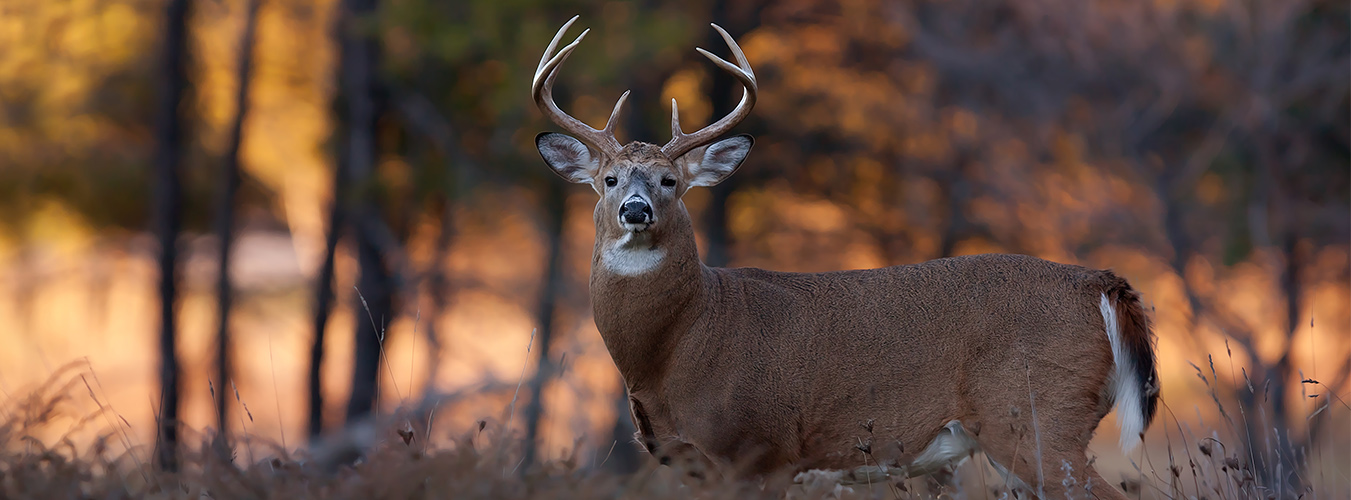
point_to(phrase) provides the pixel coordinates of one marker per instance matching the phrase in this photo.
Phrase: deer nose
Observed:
(635, 211)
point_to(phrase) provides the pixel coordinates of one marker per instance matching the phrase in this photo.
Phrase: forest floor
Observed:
(387, 459)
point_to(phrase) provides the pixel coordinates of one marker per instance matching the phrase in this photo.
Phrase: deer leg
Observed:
(1050, 452)
(1065, 429)
(1005, 439)
(1054, 452)
(1070, 475)
(1066, 474)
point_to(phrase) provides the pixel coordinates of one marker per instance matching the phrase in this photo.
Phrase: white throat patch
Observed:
(632, 256)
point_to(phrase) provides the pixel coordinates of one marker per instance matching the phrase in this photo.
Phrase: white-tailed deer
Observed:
(750, 372)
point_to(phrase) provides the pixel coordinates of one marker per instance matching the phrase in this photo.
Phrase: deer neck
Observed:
(646, 291)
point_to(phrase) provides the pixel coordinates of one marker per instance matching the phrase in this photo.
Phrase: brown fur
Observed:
(754, 371)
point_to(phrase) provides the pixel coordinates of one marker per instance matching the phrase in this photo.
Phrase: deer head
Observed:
(640, 184)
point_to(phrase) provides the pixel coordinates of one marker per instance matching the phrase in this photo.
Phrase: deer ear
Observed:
(568, 157)
(711, 164)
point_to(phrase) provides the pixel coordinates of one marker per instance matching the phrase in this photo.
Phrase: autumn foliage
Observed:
(1199, 148)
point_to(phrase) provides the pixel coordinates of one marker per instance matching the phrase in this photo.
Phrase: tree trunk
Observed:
(420, 116)
(555, 205)
(225, 216)
(168, 200)
(440, 283)
(376, 300)
(724, 93)
(357, 114)
(324, 305)
(359, 52)
(954, 191)
(1283, 473)
(438, 286)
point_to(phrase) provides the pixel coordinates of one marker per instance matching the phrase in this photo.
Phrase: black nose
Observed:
(635, 211)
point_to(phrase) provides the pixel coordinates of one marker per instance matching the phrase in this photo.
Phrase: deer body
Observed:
(749, 372)
(716, 361)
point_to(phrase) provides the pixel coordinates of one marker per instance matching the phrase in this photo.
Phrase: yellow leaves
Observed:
(763, 46)
(866, 102)
(53, 57)
(799, 233)
(215, 42)
(108, 34)
(81, 34)
(288, 117)
(685, 87)
(593, 110)
(121, 25)
(820, 42)
(760, 209)
(65, 86)
(79, 37)
(817, 216)
(58, 227)
(746, 221)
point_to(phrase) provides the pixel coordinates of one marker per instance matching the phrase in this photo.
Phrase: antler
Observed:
(602, 140)
(682, 143)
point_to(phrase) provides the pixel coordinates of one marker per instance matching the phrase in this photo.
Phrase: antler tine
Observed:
(682, 143)
(675, 121)
(602, 140)
(554, 44)
(614, 115)
(736, 51)
(546, 71)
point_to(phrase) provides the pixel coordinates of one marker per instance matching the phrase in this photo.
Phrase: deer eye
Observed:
(611, 181)
(668, 182)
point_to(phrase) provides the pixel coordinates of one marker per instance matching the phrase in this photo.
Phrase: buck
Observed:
(748, 372)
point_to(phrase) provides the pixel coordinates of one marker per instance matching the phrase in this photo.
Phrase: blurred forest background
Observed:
(271, 158)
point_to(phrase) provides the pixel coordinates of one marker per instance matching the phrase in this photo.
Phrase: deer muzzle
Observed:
(635, 211)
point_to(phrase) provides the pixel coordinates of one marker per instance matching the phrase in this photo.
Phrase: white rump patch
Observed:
(632, 256)
(1125, 385)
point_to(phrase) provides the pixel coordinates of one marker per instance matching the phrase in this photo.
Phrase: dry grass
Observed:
(40, 460)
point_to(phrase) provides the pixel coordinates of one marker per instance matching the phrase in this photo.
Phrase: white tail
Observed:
(1126, 389)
